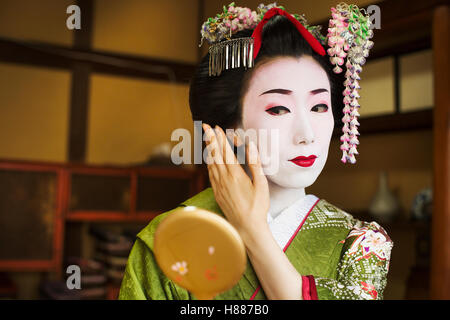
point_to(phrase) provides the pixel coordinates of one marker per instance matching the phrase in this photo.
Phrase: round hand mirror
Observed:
(200, 251)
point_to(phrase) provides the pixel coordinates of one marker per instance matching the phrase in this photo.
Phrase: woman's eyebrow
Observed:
(287, 92)
(317, 91)
(280, 91)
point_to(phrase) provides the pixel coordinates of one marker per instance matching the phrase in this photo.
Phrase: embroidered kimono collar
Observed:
(287, 222)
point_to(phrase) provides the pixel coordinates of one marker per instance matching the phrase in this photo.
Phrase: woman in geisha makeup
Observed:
(299, 246)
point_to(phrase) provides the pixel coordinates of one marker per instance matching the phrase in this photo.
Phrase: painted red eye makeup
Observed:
(277, 110)
(320, 108)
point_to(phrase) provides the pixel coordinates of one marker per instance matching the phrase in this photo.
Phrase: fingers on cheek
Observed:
(210, 173)
(209, 156)
(214, 179)
(212, 176)
(218, 195)
(209, 159)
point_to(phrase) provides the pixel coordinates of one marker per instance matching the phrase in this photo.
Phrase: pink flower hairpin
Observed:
(348, 37)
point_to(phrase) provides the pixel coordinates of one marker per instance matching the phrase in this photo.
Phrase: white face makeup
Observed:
(291, 95)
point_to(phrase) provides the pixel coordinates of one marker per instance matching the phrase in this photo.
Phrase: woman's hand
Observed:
(244, 202)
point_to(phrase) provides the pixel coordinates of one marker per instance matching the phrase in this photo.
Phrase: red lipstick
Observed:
(304, 161)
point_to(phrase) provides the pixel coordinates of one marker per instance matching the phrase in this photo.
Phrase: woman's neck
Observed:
(281, 198)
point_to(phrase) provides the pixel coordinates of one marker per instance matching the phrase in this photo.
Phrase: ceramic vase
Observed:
(384, 206)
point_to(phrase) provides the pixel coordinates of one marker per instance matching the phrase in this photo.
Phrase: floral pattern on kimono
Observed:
(363, 268)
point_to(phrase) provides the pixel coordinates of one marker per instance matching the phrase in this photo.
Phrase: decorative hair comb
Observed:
(226, 53)
(348, 37)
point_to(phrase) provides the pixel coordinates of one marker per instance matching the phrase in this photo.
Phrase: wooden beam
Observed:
(60, 57)
(79, 98)
(397, 96)
(415, 120)
(440, 237)
(392, 10)
(79, 109)
(83, 37)
(402, 34)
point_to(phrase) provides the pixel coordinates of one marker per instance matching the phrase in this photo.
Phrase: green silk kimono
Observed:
(338, 256)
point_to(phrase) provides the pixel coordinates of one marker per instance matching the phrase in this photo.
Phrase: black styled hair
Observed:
(217, 100)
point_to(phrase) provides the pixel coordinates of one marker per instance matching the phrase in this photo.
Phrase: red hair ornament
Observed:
(256, 35)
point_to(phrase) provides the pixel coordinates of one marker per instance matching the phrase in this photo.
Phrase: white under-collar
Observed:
(286, 223)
